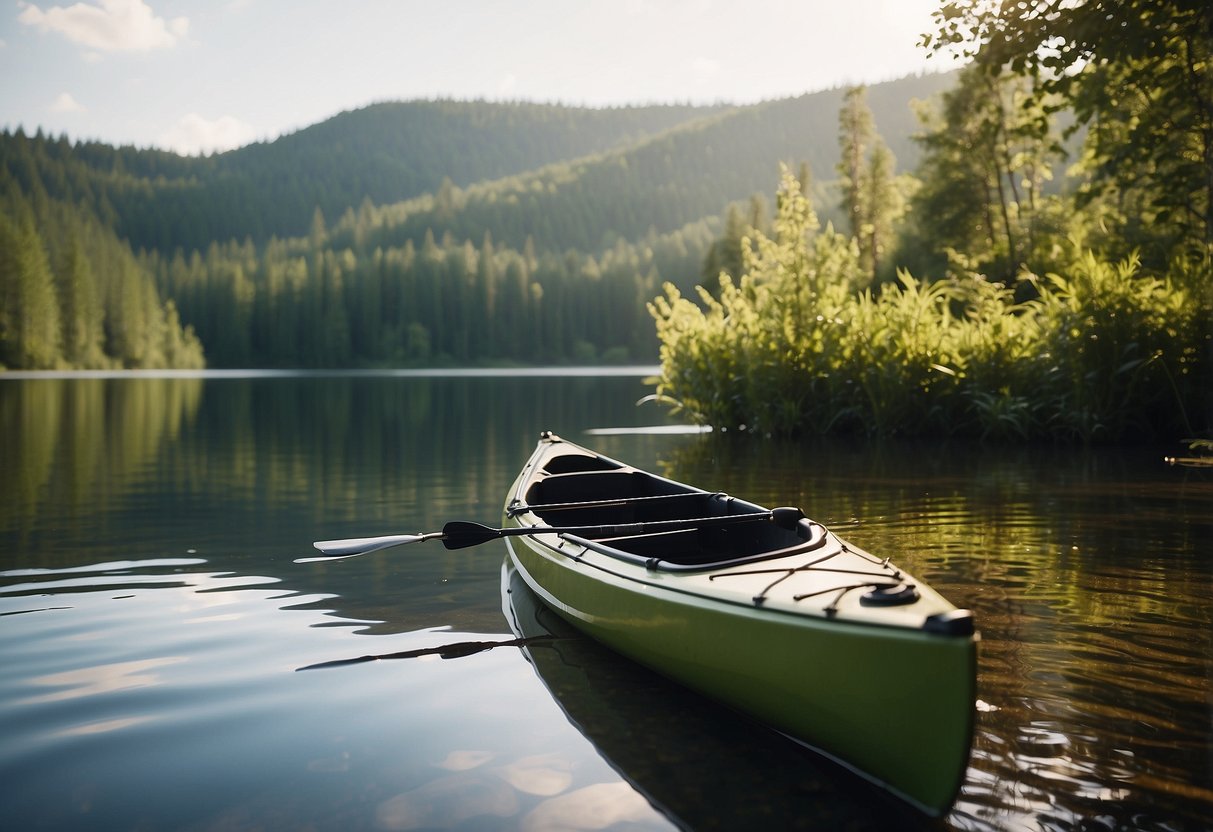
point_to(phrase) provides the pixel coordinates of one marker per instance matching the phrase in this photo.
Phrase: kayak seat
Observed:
(676, 507)
(574, 463)
(597, 485)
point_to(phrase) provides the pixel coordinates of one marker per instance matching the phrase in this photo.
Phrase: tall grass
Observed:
(798, 345)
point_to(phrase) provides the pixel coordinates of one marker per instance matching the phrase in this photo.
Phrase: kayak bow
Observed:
(783, 621)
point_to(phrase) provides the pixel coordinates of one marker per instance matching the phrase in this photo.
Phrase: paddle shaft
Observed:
(460, 534)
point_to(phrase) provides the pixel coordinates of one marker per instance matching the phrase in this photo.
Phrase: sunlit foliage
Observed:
(73, 295)
(1138, 75)
(1100, 352)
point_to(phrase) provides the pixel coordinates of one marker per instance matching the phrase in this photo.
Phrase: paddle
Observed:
(460, 534)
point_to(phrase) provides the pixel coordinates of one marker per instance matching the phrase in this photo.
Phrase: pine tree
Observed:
(29, 308)
(869, 199)
(725, 253)
(334, 336)
(81, 312)
(883, 204)
(486, 290)
(856, 129)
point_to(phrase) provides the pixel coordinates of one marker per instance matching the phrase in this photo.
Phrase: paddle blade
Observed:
(460, 534)
(362, 545)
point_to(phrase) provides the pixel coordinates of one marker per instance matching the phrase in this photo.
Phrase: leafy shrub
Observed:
(797, 345)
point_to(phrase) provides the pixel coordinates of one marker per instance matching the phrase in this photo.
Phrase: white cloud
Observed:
(111, 25)
(194, 134)
(706, 67)
(507, 85)
(65, 103)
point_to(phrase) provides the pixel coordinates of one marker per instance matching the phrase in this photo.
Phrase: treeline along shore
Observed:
(413, 233)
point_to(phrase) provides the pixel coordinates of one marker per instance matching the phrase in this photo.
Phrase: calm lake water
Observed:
(154, 626)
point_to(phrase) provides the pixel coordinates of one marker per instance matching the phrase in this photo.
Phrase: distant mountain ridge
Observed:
(661, 182)
(679, 163)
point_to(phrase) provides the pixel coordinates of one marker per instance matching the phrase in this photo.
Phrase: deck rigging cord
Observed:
(891, 577)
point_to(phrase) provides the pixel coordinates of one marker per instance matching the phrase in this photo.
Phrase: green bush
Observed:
(1114, 343)
(798, 345)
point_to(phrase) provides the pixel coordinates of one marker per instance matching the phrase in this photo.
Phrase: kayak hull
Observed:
(892, 702)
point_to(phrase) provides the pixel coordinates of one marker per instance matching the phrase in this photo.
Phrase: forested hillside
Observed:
(73, 295)
(383, 154)
(663, 183)
(445, 232)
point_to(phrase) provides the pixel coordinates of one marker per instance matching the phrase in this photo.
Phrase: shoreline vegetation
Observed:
(1104, 353)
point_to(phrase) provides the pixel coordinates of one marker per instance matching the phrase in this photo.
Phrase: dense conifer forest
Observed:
(409, 233)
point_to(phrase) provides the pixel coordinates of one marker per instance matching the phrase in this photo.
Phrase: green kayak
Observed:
(763, 610)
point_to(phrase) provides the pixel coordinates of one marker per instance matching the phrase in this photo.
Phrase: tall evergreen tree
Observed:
(883, 205)
(29, 308)
(725, 254)
(856, 130)
(487, 281)
(870, 201)
(81, 308)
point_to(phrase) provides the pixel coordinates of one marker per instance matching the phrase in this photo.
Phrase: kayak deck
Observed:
(800, 568)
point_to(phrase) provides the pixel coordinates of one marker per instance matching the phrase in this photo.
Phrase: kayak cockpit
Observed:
(704, 548)
(580, 490)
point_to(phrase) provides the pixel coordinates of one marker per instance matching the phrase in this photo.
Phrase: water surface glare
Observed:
(155, 631)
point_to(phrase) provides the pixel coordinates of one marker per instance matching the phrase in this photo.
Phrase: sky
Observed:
(201, 76)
